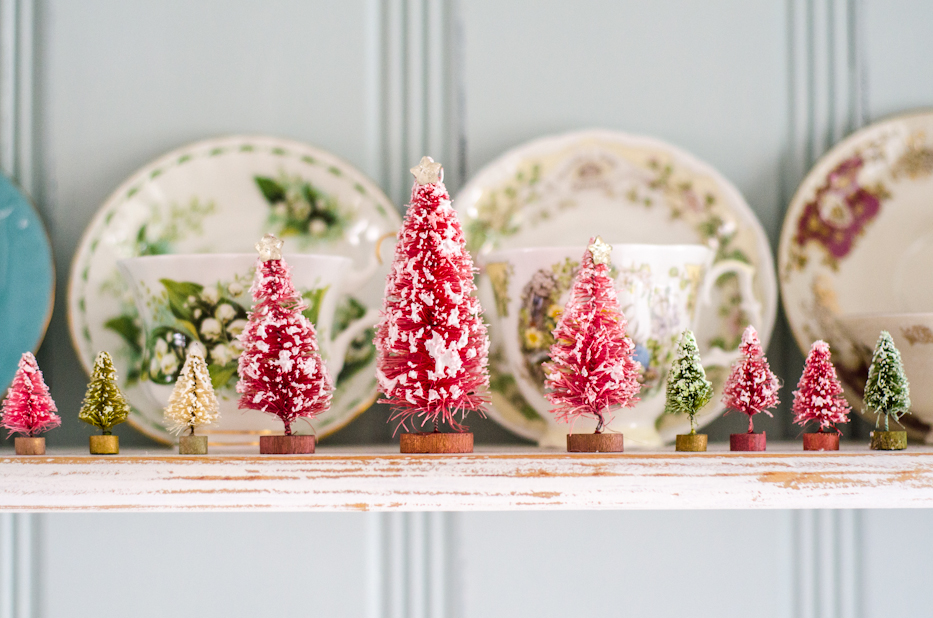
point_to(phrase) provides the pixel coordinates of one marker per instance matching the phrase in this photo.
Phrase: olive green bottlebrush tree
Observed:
(887, 392)
(688, 390)
(104, 405)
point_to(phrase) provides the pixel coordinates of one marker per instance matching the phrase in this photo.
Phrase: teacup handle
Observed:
(717, 357)
(355, 280)
(337, 347)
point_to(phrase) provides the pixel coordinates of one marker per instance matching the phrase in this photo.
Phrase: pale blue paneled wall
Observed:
(758, 89)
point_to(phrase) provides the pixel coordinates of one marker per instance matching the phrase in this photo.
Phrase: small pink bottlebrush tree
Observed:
(281, 371)
(431, 341)
(819, 393)
(28, 408)
(592, 369)
(751, 387)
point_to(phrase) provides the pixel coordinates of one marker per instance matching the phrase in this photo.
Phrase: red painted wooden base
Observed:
(29, 446)
(821, 441)
(595, 443)
(748, 441)
(436, 442)
(286, 445)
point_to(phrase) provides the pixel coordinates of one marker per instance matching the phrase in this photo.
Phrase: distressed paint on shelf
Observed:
(530, 480)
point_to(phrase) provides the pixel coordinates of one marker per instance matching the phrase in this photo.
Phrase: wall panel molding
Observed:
(827, 97)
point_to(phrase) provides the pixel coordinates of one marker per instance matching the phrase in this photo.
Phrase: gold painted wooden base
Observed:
(888, 440)
(821, 441)
(748, 441)
(105, 445)
(691, 442)
(29, 446)
(595, 443)
(192, 445)
(436, 442)
(286, 445)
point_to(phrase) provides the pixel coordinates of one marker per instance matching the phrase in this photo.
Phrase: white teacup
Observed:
(202, 299)
(660, 288)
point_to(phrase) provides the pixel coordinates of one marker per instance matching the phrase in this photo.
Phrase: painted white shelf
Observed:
(530, 479)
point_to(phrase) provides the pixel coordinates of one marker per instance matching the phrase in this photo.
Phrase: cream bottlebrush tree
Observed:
(193, 402)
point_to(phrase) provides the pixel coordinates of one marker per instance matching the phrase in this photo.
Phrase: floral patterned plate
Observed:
(221, 196)
(858, 238)
(562, 190)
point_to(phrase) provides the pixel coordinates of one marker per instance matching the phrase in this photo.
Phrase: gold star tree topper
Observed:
(428, 172)
(270, 248)
(600, 251)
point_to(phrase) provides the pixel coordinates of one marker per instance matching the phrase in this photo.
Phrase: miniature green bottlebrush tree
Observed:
(192, 402)
(887, 392)
(688, 390)
(104, 405)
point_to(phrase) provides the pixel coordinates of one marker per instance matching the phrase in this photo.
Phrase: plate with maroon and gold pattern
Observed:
(858, 238)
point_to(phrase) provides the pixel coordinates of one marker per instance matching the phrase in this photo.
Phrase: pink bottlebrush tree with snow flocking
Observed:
(818, 397)
(592, 369)
(281, 370)
(28, 408)
(431, 340)
(751, 387)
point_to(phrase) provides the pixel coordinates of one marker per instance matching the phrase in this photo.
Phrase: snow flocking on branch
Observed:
(431, 341)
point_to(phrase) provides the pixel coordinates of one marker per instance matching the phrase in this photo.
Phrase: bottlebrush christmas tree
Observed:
(751, 387)
(819, 394)
(887, 392)
(104, 405)
(431, 341)
(281, 370)
(192, 402)
(28, 408)
(688, 390)
(592, 369)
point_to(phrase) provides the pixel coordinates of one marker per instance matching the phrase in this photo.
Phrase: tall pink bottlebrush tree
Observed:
(751, 387)
(431, 340)
(28, 408)
(281, 369)
(592, 369)
(818, 397)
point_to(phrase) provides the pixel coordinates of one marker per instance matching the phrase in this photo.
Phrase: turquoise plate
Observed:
(27, 278)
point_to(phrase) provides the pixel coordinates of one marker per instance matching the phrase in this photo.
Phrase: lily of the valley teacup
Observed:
(660, 288)
(202, 300)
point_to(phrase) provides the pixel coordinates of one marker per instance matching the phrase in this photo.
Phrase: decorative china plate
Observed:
(561, 190)
(221, 196)
(27, 279)
(858, 238)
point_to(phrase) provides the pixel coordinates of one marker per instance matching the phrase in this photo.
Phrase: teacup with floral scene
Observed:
(660, 288)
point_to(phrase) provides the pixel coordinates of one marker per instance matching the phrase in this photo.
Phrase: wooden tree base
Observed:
(888, 440)
(105, 445)
(286, 445)
(29, 446)
(437, 442)
(595, 443)
(821, 441)
(192, 445)
(691, 442)
(748, 441)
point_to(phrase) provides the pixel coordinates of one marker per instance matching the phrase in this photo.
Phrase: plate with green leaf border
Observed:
(562, 190)
(221, 196)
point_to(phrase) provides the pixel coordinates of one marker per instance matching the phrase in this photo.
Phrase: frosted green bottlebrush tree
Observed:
(887, 392)
(688, 390)
(104, 405)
